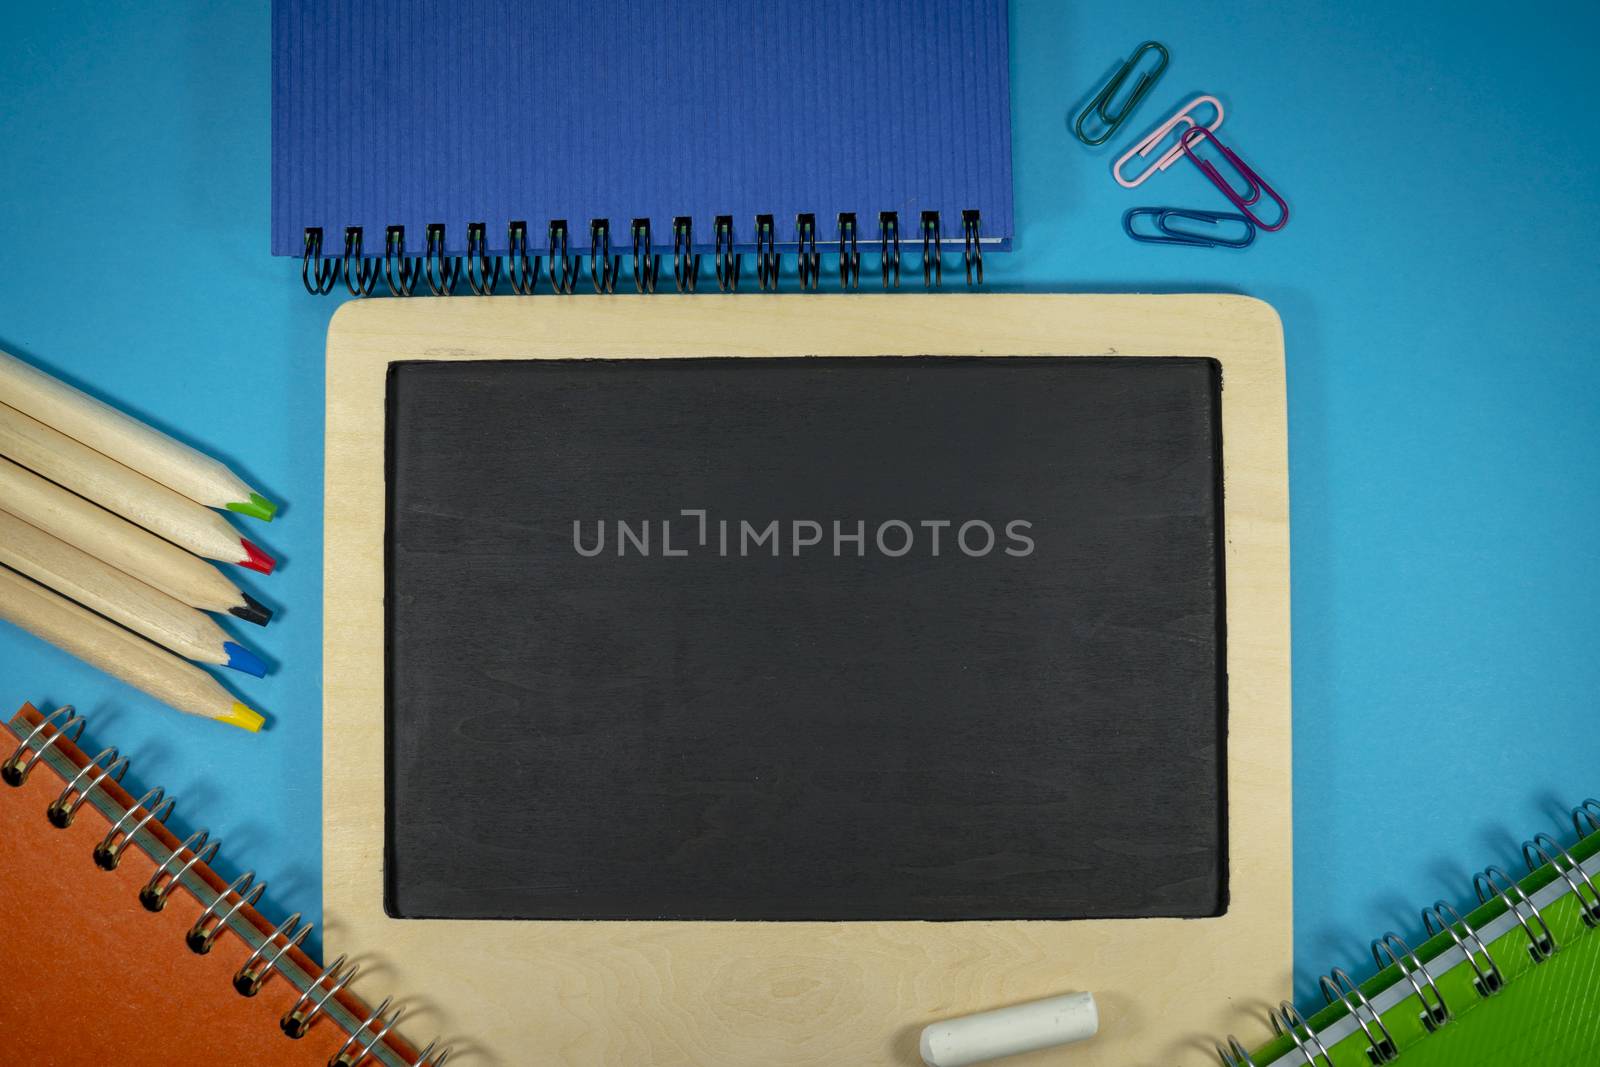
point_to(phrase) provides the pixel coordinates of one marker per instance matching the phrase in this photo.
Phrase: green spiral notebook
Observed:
(1515, 981)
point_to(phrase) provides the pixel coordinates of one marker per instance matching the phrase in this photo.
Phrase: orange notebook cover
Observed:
(103, 916)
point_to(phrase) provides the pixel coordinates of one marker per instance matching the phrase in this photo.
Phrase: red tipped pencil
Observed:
(119, 489)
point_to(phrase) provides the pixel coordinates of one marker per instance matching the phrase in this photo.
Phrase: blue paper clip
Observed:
(1167, 234)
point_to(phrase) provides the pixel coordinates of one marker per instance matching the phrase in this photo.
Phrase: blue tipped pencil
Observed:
(123, 599)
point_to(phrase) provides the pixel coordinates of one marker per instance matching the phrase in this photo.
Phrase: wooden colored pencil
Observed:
(53, 618)
(75, 466)
(102, 588)
(127, 440)
(131, 549)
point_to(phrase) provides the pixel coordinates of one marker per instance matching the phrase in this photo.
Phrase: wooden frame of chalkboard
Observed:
(802, 993)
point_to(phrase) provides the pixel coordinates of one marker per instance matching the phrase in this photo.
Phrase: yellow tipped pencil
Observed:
(123, 599)
(127, 440)
(131, 549)
(75, 466)
(124, 655)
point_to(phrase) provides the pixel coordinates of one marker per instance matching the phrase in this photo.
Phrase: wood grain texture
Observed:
(108, 647)
(115, 540)
(818, 707)
(118, 435)
(104, 589)
(75, 466)
(803, 993)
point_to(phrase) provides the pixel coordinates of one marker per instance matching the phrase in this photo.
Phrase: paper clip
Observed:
(1167, 234)
(1159, 134)
(1253, 180)
(1146, 82)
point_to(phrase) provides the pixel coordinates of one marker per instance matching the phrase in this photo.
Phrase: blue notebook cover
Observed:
(415, 113)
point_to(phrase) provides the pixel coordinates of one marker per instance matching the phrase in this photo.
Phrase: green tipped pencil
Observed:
(128, 441)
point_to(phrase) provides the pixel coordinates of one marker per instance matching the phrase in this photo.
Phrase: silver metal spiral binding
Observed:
(1486, 883)
(685, 260)
(108, 853)
(363, 275)
(769, 263)
(1392, 949)
(1486, 981)
(932, 260)
(297, 1020)
(153, 895)
(1587, 812)
(449, 272)
(557, 239)
(971, 248)
(426, 1058)
(727, 261)
(1287, 1022)
(399, 272)
(524, 276)
(1338, 986)
(603, 265)
(13, 771)
(61, 812)
(319, 280)
(889, 246)
(365, 1043)
(1234, 1054)
(483, 274)
(201, 937)
(646, 264)
(248, 979)
(1363, 1015)
(1545, 849)
(375, 1035)
(849, 252)
(810, 260)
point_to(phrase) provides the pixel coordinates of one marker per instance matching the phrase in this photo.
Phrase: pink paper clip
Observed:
(1253, 180)
(1159, 134)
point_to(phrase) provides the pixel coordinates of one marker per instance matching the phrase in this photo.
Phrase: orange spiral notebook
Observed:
(120, 945)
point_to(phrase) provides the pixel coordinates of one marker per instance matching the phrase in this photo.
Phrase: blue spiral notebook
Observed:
(484, 113)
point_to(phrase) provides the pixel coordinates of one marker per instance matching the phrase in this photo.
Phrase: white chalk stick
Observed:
(1010, 1031)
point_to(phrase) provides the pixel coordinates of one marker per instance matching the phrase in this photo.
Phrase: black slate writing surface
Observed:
(600, 706)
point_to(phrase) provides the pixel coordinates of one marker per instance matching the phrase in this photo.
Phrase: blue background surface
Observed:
(1438, 286)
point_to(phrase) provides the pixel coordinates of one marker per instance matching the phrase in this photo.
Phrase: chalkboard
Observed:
(805, 639)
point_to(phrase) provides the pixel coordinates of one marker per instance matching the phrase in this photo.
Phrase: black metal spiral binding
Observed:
(971, 248)
(685, 261)
(524, 276)
(568, 278)
(399, 272)
(1390, 950)
(769, 263)
(602, 264)
(932, 261)
(443, 270)
(727, 262)
(319, 280)
(449, 272)
(646, 264)
(360, 273)
(889, 245)
(849, 252)
(176, 865)
(483, 274)
(810, 260)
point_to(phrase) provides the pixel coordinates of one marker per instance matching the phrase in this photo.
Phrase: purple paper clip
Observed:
(1252, 179)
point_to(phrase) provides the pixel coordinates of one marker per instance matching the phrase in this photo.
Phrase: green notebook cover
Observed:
(1519, 976)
